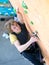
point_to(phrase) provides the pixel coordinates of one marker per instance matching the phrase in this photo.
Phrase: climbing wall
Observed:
(36, 12)
(6, 9)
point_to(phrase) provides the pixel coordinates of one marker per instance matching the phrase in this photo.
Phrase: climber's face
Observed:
(15, 27)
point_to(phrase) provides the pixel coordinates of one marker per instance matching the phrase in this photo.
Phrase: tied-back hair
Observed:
(8, 25)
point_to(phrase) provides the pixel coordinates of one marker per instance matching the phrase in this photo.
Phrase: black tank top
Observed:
(23, 38)
(23, 35)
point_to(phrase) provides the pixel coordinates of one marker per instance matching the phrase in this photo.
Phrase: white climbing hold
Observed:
(0, 13)
(9, 8)
(12, 12)
(6, 13)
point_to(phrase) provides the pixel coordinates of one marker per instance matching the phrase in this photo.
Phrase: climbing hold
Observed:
(9, 9)
(25, 11)
(6, 14)
(36, 32)
(11, 14)
(0, 13)
(24, 5)
(14, 10)
(32, 22)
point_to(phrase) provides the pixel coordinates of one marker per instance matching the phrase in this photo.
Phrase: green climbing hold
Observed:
(24, 5)
(32, 22)
(25, 11)
(11, 14)
(14, 10)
